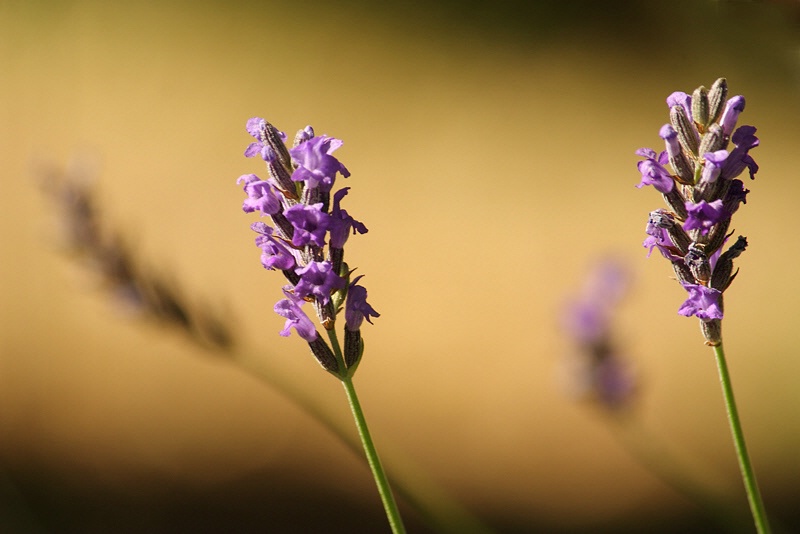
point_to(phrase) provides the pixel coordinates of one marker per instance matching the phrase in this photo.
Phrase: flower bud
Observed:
(712, 330)
(730, 115)
(682, 165)
(687, 135)
(676, 202)
(272, 136)
(712, 141)
(353, 347)
(716, 99)
(717, 236)
(722, 277)
(682, 272)
(700, 108)
(698, 263)
(324, 355)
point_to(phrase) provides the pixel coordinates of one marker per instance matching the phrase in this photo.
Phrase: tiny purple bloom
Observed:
(703, 302)
(310, 224)
(736, 195)
(357, 308)
(653, 171)
(679, 98)
(304, 135)
(296, 318)
(315, 163)
(257, 128)
(730, 115)
(341, 221)
(704, 215)
(658, 236)
(744, 138)
(715, 162)
(670, 137)
(318, 279)
(274, 254)
(261, 196)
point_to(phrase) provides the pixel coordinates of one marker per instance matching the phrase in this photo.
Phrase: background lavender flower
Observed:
(598, 370)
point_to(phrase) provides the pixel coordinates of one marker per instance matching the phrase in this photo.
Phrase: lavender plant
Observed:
(91, 238)
(702, 193)
(601, 373)
(306, 243)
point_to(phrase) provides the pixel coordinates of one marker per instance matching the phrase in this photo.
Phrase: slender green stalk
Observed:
(385, 491)
(389, 504)
(748, 476)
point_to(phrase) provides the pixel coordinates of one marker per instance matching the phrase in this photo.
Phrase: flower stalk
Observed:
(746, 467)
(702, 194)
(306, 243)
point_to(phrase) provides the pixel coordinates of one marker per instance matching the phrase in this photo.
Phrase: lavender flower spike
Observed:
(703, 205)
(307, 245)
(306, 238)
(598, 370)
(702, 193)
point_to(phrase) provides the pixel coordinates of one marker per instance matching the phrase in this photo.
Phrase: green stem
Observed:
(389, 504)
(748, 476)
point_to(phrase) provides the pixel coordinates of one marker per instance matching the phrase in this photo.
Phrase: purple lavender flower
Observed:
(733, 107)
(653, 171)
(261, 196)
(702, 201)
(670, 137)
(342, 222)
(744, 139)
(704, 215)
(679, 98)
(735, 196)
(310, 224)
(257, 128)
(714, 163)
(317, 279)
(658, 236)
(296, 318)
(597, 369)
(703, 302)
(357, 308)
(275, 255)
(315, 165)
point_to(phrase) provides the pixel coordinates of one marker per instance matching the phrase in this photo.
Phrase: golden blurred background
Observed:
(491, 146)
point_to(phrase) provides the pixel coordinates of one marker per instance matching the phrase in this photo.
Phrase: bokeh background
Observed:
(491, 149)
